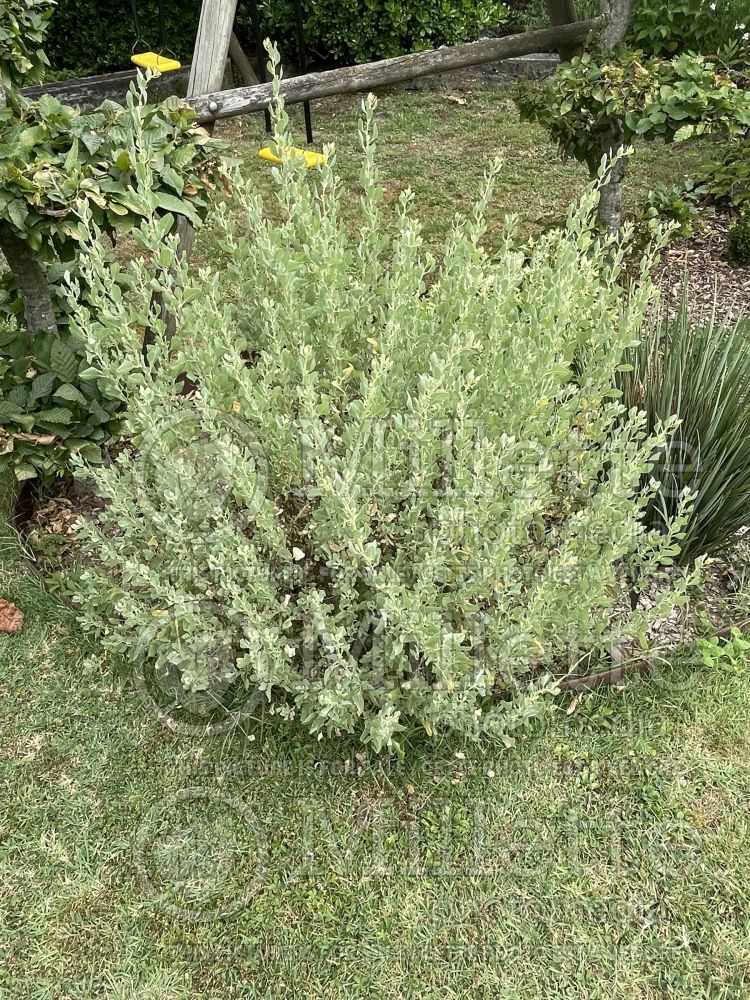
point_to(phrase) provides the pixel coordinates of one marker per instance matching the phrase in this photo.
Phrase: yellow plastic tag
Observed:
(311, 158)
(152, 60)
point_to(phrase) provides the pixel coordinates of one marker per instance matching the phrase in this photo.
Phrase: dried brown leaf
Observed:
(11, 617)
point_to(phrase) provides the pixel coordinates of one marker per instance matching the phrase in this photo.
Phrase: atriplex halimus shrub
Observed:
(403, 490)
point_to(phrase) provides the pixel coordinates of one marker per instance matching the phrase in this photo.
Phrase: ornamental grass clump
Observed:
(403, 493)
(700, 373)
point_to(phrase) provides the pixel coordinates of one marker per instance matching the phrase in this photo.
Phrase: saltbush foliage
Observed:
(668, 99)
(22, 27)
(701, 374)
(403, 491)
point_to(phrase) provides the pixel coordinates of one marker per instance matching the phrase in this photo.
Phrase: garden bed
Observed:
(717, 285)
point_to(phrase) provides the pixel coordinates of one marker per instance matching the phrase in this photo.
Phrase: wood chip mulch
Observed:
(714, 281)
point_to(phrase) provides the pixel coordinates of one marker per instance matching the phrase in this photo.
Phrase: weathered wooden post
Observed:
(564, 12)
(242, 63)
(206, 77)
(211, 46)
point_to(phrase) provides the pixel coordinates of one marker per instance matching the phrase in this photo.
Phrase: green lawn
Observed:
(441, 149)
(606, 855)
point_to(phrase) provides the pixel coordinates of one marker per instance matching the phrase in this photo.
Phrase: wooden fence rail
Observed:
(354, 79)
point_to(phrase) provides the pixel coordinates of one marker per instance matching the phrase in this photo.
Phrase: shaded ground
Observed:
(717, 285)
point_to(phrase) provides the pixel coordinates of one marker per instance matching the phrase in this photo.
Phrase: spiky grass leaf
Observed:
(702, 375)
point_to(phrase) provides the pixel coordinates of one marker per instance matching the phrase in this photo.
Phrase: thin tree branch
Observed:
(606, 678)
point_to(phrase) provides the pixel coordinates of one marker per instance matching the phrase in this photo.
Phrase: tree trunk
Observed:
(610, 196)
(38, 310)
(617, 13)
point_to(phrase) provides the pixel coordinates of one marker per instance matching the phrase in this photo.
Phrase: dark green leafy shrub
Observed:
(667, 27)
(58, 167)
(363, 30)
(94, 36)
(679, 204)
(701, 374)
(54, 160)
(728, 176)
(739, 238)
(531, 15)
(97, 35)
(402, 494)
(23, 24)
(49, 413)
(668, 99)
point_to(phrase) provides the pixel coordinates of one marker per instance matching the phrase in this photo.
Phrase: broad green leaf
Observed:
(64, 361)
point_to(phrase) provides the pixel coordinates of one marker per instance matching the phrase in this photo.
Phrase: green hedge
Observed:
(659, 27)
(94, 36)
(668, 28)
(98, 35)
(360, 30)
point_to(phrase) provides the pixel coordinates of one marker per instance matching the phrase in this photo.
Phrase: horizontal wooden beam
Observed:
(90, 91)
(354, 79)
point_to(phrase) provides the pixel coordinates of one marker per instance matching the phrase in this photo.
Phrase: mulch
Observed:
(714, 281)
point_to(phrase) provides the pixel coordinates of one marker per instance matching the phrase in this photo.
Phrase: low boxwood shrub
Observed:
(365, 30)
(701, 373)
(404, 492)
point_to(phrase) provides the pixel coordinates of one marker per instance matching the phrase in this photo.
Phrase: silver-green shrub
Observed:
(403, 492)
